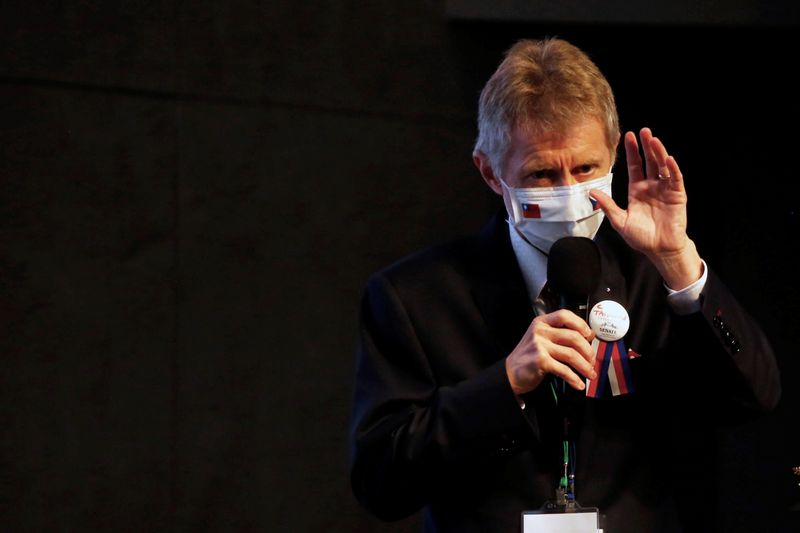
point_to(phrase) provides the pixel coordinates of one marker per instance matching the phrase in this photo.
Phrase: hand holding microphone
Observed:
(559, 342)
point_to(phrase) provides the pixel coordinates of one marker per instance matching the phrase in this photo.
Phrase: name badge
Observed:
(585, 520)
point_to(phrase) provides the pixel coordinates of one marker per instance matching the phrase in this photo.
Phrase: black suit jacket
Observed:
(437, 426)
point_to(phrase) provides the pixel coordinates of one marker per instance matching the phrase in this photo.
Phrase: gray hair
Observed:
(547, 85)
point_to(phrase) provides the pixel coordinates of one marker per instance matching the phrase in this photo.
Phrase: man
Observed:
(462, 366)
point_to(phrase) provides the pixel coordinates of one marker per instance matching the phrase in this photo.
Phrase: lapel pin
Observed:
(609, 320)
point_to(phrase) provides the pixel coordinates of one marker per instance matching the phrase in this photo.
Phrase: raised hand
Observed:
(655, 221)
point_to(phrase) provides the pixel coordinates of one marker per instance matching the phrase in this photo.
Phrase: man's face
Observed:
(552, 160)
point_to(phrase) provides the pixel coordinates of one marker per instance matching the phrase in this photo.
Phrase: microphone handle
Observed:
(577, 304)
(573, 399)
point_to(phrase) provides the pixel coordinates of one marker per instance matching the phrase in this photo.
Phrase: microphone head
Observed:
(573, 266)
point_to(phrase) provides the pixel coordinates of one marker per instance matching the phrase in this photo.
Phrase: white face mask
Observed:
(542, 215)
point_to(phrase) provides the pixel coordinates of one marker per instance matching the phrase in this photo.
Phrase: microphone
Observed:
(573, 273)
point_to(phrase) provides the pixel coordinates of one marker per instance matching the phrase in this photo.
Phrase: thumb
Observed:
(616, 215)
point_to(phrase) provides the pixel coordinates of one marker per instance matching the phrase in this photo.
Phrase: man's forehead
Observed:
(562, 132)
(586, 139)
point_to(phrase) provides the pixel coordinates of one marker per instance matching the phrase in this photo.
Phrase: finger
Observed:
(651, 164)
(633, 159)
(564, 318)
(616, 215)
(568, 339)
(564, 372)
(676, 177)
(575, 359)
(660, 154)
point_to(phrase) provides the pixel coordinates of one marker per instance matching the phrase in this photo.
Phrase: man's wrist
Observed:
(679, 269)
(687, 300)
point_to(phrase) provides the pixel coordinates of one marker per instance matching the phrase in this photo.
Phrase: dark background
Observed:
(192, 195)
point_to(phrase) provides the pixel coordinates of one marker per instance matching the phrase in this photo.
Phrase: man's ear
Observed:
(614, 151)
(481, 161)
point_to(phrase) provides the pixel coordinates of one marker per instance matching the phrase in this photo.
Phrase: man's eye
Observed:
(585, 169)
(540, 174)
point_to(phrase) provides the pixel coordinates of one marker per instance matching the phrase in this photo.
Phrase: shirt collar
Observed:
(532, 264)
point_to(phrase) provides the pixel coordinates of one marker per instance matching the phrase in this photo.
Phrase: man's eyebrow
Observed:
(543, 165)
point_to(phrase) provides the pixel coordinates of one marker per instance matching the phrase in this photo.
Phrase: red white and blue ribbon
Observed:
(611, 366)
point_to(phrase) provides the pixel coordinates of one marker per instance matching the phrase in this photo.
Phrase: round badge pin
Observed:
(609, 320)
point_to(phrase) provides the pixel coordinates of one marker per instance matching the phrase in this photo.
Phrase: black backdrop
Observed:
(193, 194)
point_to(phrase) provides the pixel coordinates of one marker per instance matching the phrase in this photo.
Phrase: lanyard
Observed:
(565, 492)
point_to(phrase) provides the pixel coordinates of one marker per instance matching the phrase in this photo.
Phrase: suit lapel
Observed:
(499, 289)
(630, 279)
(612, 284)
